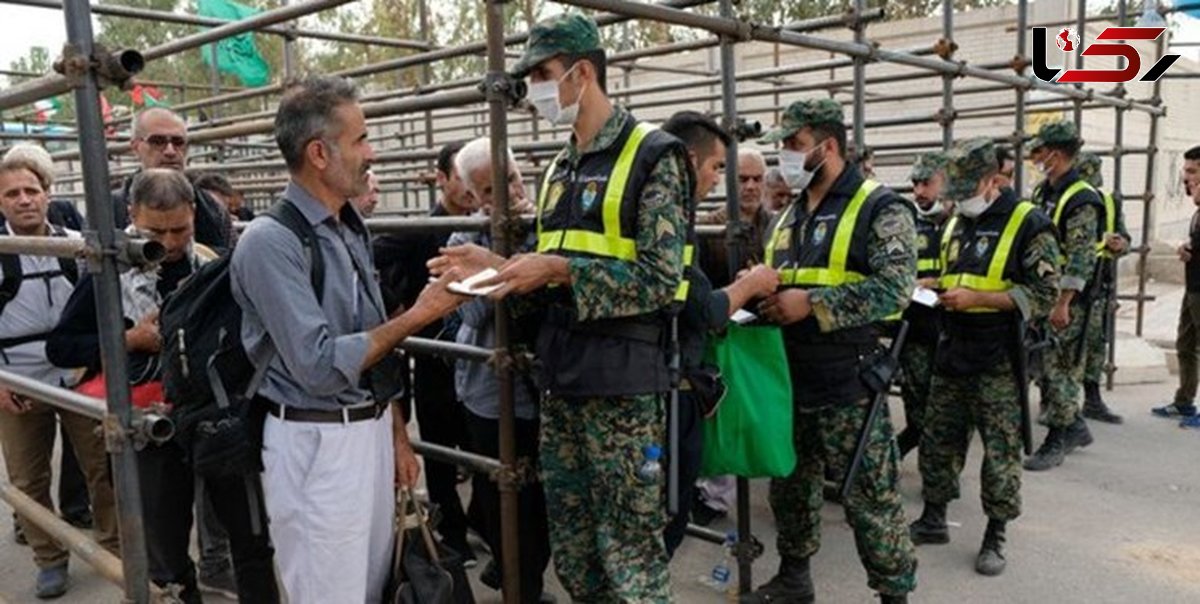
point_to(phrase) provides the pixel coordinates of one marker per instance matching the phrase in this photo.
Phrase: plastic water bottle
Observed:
(651, 470)
(720, 578)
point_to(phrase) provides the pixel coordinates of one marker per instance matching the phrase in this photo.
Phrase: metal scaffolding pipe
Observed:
(61, 398)
(82, 545)
(1110, 364)
(859, 112)
(132, 12)
(109, 317)
(947, 79)
(1148, 196)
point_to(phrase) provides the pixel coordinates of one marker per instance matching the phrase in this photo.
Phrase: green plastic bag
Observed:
(751, 433)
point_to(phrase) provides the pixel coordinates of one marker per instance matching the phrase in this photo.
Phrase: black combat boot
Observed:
(887, 599)
(907, 440)
(1094, 407)
(931, 526)
(1050, 454)
(1076, 436)
(792, 585)
(991, 561)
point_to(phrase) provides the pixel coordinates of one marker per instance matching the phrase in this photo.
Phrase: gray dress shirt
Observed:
(320, 346)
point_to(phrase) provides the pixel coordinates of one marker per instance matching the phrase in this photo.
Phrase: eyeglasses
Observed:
(160, 141)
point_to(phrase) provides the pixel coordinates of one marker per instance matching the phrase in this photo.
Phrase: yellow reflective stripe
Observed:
(769, 255)
(1110, 225)
(839, 253)
(818, 276)
(597, 244)
(947, 236)
(1075, 187)
(541, 201)
(928, 264)
(614, 191)
(1003, 247)
(681, 293)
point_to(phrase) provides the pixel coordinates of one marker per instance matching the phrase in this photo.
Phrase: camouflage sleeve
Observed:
(1079, 247)
(1121, 228)
(893, 260)
(607, 288)
(1037, 295)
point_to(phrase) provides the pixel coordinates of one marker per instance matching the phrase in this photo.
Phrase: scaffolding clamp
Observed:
(945, 48)
(146, 426)
(113, 68)
(503, 87)
(747, 551)
(127, 251)
(744, 130)
(1019, 63)
(945, 118)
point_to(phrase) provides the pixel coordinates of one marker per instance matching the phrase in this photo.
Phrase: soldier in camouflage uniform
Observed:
(603, 286)
(1116, 244)
(846, 253)
(1078, 215)
(928, 178)
(1000, 270)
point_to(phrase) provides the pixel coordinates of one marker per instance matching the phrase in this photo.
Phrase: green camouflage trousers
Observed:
(1096, 347)
(606, 526)
(827, 437)
(916, 361)
(958, 406)
(1062, 374)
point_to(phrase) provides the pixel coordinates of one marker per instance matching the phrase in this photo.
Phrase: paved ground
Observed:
(1113, 525)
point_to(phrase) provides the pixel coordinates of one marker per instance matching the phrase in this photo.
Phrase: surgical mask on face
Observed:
(544, 96)
(971, 207)
(934, 210)
(791, 166)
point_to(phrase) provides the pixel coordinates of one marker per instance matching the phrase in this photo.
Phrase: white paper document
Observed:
(742, 316)
(467, 287)
(925, 296)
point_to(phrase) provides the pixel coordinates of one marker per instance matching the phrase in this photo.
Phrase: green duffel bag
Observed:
(750, 434)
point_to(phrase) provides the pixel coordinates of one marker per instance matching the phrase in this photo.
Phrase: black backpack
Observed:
(14, 276)
(207, 376)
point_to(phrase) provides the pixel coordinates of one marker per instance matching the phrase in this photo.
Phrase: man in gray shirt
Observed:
(331, 452)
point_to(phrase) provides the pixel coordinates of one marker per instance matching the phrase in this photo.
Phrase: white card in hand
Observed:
(925, 296)
(467, 287)
(742, 316)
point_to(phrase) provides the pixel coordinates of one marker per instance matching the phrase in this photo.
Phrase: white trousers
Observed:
(330, 498)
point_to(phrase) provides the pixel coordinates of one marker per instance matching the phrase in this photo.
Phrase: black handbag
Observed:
(423, 570)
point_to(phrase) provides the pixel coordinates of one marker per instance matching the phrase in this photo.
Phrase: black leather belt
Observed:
(326, 416)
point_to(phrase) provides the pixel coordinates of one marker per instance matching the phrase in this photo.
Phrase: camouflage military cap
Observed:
(809, 112)
(569, 33)
(927, 165)
(1089, 168)
(1054, 133)
(968, 163)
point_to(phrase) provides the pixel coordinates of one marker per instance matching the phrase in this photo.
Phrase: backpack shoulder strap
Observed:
(11, 264)
(69, 267)
(287, 214)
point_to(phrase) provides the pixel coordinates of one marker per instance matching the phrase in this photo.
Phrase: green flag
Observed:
(237, 55)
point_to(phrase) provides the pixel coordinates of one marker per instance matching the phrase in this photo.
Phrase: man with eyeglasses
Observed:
(159, 139)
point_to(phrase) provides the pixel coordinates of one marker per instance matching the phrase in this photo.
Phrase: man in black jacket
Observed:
(160, 141)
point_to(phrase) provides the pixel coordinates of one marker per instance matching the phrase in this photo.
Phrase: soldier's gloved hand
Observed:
(787, 307)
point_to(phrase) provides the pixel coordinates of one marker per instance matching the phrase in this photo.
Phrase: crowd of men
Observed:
(830, 255)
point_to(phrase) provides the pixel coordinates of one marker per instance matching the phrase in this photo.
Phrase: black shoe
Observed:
(931, 527)
(792, 585)
(1094, 407)
(1076, 436)
(908, 440)
(19, 535)
(1050, 454)
(991, 560)
(887, 599)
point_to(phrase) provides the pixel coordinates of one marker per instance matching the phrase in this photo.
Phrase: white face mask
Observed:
(544, 96)
(971, 207)
(791, 166)
(934, 210)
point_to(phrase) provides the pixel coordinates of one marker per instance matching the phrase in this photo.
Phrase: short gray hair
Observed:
(475, 155)
(33, 158)
(774, 178)
(744, 152)
(138, 128)
(161, 189)
(305, 113)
